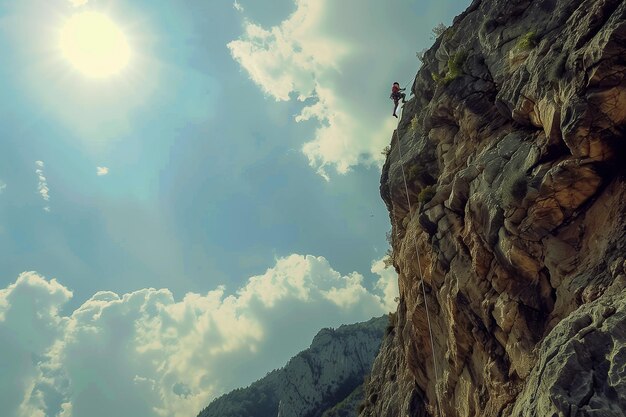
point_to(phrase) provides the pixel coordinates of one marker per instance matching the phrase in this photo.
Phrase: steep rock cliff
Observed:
(314, 381)
(513, 147)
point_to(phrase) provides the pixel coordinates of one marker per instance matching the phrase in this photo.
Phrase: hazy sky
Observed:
(184, 208)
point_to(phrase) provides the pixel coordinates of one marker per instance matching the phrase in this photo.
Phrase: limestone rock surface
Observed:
(514, 148)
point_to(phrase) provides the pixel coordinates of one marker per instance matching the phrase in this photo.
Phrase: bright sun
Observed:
(94, 45)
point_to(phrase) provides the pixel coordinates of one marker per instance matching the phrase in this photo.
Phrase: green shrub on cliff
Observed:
(455, 64)
(419, 173)
(438, 30)
(527, 42)
(455, 69)
(427, 194)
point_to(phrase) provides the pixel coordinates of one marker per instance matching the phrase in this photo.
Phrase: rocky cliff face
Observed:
(513, 147)
(314, 381)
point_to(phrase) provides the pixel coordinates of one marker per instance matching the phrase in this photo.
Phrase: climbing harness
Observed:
(421, 276)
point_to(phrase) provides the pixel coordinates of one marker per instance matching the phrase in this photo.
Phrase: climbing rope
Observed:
(421, 276)
(407, 83)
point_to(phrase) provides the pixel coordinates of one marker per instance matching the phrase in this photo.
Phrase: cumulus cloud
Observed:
(298, 59)
(42, 185)
(100, 171)
(286, 59)
(3, 186)
(29, 324)
(238, 6)
(387, 284)
(146, 353)
(78, 3)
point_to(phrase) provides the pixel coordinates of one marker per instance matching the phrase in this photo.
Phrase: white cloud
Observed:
(100, 171)
(145, 353)
(29, 323)
(286, 59)
(299, 57)
(78, 3)
(3, 186)
(42, 185)
(66, 410)
(387, 283)
(238, 6)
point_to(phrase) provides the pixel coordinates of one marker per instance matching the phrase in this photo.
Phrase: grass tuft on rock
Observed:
(414, 126)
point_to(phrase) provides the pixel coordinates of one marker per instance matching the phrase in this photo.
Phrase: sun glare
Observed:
(94, 45)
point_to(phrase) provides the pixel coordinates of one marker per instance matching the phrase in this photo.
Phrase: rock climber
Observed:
(396, 95)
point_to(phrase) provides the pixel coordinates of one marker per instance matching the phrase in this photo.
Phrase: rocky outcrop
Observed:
(581, 368)
(513, 147)
(314, 381)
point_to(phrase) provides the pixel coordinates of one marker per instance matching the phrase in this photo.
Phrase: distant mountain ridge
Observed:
(312, 382)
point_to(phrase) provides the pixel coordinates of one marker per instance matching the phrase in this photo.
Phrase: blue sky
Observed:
(240, 144)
